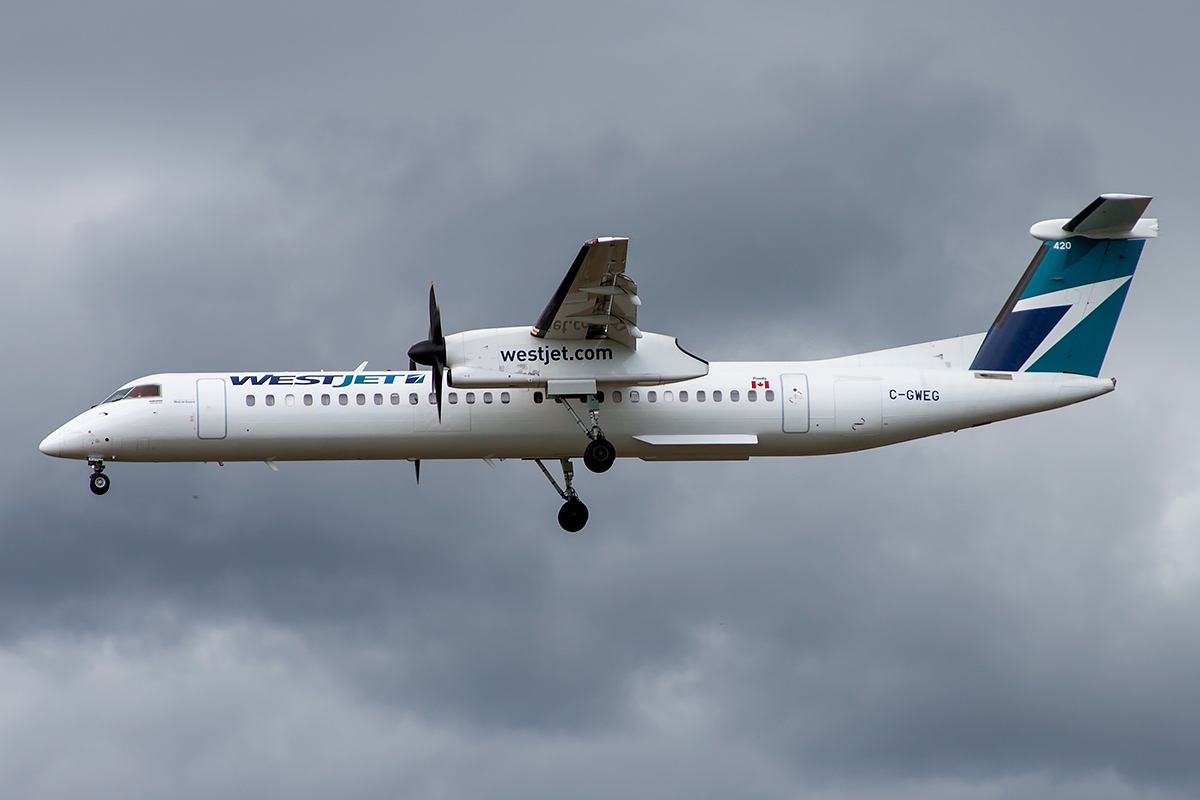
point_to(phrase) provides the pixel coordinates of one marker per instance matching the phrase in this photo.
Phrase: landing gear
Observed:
(99, 482)
(600, 454)
(574, 514)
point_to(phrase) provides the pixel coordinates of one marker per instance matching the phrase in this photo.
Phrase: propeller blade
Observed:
(437, 386)
(417, 464)
(432, 351)
(435, 320)
(412, 365)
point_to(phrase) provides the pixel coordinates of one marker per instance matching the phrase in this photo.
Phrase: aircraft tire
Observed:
(99, 483)
(599, 455)
(573, 516)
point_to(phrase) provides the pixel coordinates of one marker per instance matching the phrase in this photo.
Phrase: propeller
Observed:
(432, 351)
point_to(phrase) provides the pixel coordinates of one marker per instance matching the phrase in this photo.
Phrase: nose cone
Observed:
(52, 444)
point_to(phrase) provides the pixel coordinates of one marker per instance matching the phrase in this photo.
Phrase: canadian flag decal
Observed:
(760, 383)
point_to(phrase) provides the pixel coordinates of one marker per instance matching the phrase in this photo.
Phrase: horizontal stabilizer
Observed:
(1109, 216)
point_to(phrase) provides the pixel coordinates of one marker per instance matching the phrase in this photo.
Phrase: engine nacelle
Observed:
(514, 358)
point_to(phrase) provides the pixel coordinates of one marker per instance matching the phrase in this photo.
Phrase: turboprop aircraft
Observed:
(585, 379)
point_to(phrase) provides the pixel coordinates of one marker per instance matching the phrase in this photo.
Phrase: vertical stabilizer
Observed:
(1062, 314)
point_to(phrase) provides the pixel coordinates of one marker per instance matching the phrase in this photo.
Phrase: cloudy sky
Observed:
(1006, 612)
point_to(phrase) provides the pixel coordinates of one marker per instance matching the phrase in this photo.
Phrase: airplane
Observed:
(585, 377)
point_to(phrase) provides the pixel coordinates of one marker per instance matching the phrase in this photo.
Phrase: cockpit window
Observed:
(118, 394)
(144, 390)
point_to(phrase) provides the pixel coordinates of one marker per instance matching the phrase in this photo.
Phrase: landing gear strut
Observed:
(574, 514)
(99, 482)
(600, 454)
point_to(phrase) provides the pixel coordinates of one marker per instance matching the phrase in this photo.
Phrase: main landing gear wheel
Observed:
(99, 484)
(599, 455)
(573, 515)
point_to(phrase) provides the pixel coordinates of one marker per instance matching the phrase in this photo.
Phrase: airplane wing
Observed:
(596, 299)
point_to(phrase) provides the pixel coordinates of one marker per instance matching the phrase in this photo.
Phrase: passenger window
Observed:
(378, 399)
(453, 398)
(308, 399)
(487, 397)
(751, 395)
(270, 399)
(470, 397)
(716, 395)
(733, 395)
(683, 396)
(289, 400)
(634, 396)
(769, 396)
(343, 400)
(413, 399)
(361, 399)
(616, 396)
(396, 399)
(652, 396)
(249, 399)
(668, 396)
(324, 399)
(699, 395)
(505, 397)
(537, 397)
(599, 397)
(432, 398)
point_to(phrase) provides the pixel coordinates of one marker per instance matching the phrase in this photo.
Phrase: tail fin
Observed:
(1062, 314)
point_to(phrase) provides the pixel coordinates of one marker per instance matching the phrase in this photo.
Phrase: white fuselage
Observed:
(735, 411)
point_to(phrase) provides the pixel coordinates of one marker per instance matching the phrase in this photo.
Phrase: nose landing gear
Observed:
(574, 514)
(99, 482)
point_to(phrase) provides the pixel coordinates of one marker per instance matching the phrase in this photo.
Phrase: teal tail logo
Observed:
(1061, 316)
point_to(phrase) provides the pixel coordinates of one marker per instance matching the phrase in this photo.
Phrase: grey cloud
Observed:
(330, 234)
(977, 615)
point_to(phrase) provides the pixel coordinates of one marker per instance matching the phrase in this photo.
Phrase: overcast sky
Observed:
(1012, 611)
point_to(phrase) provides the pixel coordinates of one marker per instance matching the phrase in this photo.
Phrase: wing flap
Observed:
(596, 299)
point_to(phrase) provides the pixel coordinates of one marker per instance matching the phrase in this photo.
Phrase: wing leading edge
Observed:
(596, 299)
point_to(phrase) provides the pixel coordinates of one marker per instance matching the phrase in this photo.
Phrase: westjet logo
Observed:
(544, 355)
(336, 380)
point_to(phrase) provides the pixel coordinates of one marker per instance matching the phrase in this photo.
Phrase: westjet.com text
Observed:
(544, 355)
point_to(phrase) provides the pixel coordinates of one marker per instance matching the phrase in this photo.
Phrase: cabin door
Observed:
(210, 408)
(795, 403)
